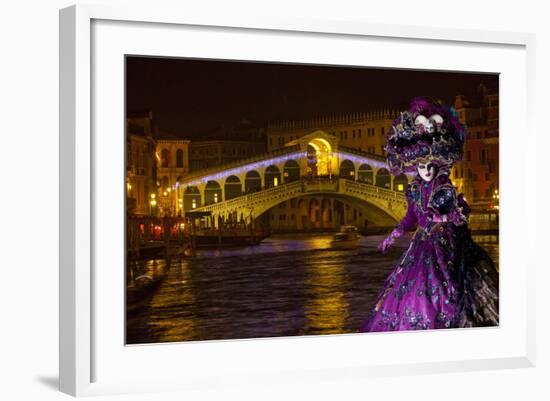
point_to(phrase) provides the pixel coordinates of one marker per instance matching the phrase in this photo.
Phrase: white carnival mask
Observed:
(426, 171)
(429, 124)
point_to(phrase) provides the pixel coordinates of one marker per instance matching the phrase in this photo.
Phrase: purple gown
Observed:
(444, 279)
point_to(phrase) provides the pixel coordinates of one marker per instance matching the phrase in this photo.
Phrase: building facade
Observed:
(141, 167)
(172, 157)
(214, 153)
(361, 131)
(476, 176)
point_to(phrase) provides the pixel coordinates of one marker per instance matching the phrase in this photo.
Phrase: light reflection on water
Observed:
(490, 244)
(288, 285)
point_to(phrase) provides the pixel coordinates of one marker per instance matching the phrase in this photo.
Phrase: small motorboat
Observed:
(347, 238)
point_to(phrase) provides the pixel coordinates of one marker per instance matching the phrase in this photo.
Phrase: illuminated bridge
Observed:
(312, 165)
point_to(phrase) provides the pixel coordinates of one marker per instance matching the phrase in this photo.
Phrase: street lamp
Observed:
(152, 203)
(496, 198)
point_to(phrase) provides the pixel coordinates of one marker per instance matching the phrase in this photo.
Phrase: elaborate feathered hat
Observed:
(427, 132)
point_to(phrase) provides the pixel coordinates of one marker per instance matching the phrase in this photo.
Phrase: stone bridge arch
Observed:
(388, 205)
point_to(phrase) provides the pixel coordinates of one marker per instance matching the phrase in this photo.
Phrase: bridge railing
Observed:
(253, 197)
(308, 185)
(373, 189)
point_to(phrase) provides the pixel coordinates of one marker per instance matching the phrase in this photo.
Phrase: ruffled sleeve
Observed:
(444, 201)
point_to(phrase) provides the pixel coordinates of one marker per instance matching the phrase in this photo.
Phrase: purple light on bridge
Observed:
(246, 168)
(276, 160)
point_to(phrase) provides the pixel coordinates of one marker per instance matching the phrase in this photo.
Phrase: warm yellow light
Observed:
(275, 181)
(157, 156)
(400, 187)
(169, 189)
(153, 196)
(129, 186)
(194, 204)
(165, 193)
(215, 198)
(153, 202)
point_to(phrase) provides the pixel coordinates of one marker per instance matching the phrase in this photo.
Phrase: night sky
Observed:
(192, 97)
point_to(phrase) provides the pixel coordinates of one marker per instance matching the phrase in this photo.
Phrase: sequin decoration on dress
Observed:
(444, 279)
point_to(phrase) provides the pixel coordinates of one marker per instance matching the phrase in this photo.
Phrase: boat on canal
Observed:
(347, 238)
(213, 238)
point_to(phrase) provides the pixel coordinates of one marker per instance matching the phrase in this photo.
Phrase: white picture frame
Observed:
(91, 364)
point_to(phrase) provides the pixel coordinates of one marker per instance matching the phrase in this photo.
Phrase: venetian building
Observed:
(226, 144)
(214, 153)
(362, 131)
(173, 164)
(140, 164)
(476, 176)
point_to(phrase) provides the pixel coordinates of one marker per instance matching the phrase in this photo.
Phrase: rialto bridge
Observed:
(313, 165)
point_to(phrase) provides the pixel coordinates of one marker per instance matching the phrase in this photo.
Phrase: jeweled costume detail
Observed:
(444, 279)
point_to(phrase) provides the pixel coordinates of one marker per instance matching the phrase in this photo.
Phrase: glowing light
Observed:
(275, 181)
(241, 170)
(153, 196)
(153, 202)
(215, 198)
(245, 168)
(194, 204)
(400, 187)
(165, 193)
(169, 189)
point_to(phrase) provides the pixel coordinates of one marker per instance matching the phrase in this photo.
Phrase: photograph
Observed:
(270, 199)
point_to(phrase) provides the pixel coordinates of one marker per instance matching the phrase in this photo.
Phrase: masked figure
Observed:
(444, 279)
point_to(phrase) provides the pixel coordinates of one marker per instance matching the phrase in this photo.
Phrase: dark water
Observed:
(286, 286)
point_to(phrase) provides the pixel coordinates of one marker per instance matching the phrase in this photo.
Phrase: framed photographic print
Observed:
(261, 200)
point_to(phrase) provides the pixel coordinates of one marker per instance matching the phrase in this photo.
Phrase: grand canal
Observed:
(288, 285)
